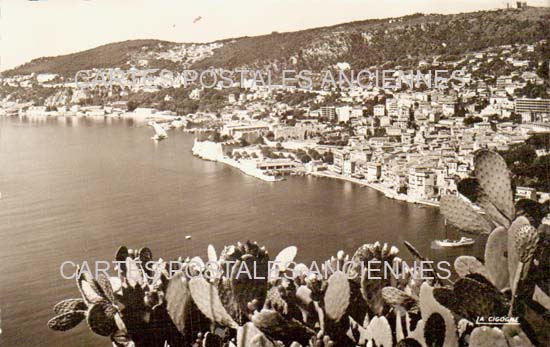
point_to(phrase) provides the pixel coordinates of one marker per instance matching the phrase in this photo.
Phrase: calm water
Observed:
(76, 189)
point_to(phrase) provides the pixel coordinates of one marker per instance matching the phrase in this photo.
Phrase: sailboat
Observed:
(160, 133)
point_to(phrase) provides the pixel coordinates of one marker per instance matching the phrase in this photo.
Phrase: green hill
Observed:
(401, 41)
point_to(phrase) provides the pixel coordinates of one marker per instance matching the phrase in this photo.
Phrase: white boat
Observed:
(160, 133)
(464, 241)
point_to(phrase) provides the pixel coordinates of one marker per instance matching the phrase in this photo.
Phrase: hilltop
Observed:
(401, 41)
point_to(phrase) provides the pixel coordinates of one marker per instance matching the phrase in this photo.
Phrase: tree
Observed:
(469, 187)
(131, 105)
(533, 91)
(243, 142)
(303, 156)
(472, 120)
(314, 154)
(328, 157)
(216, 137)
(259, 141)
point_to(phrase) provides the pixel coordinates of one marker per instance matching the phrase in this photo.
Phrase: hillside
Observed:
(401, 41)
(110, 55)
(372, 42)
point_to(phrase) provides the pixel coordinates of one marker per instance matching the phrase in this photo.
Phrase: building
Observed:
(379, 110)
(237, 131)
(521, 4)
(343, 113)
(279, 166)
(374, 172)
(422, 183)
(526, 193)
(532, 109)
(357, 112)
(340, 157)
(328, 112)
(349, 168)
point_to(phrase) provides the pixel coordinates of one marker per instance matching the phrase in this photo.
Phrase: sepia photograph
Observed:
(274, 173)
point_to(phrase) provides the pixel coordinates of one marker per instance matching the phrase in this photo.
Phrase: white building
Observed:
(422, 183)
(343, 114)
(379, 110)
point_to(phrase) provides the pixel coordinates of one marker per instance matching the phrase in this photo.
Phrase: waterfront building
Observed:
(374, 171)
(282, 166)
(238, 130)
(340, 157)
(421, 183)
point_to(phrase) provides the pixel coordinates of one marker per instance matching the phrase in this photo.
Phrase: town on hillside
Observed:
(411, 142)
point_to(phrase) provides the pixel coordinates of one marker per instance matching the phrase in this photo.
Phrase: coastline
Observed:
(212, 151)
(376, 186)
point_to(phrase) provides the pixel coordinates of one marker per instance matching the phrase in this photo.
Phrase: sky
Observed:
(32, 29)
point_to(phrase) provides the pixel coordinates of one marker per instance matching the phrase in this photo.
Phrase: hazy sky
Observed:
(32, 29)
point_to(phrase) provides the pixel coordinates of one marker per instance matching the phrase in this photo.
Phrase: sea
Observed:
(77, 188)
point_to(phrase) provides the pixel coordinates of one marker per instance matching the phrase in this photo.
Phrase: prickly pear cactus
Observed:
(308, 310)
(398, 298)
(68, 305)
(494, 178)
(246, 281)
(379, 332)
(429, 306)
(465, 265)
(337, 296)
(487, 337)
(207, 299)
(526, 240)
(274, 325)
(250, 335)
(461, 214)
(434, 330)
(496, 260)
(66, 320)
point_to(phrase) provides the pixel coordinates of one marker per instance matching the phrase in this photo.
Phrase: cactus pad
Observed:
(496, 261)
(337, 296)
(526, 240)
(66, 321)
(68, 305)
(487, 337)
(379, 331)
(429, 305)
(434, 330)
(178, 301)
(408, 342)
(479, 299)
(462, 215)
(207, 299)
(466, 264)
(495, 181)
(101, 318)
(396, 297)
(513, 255)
